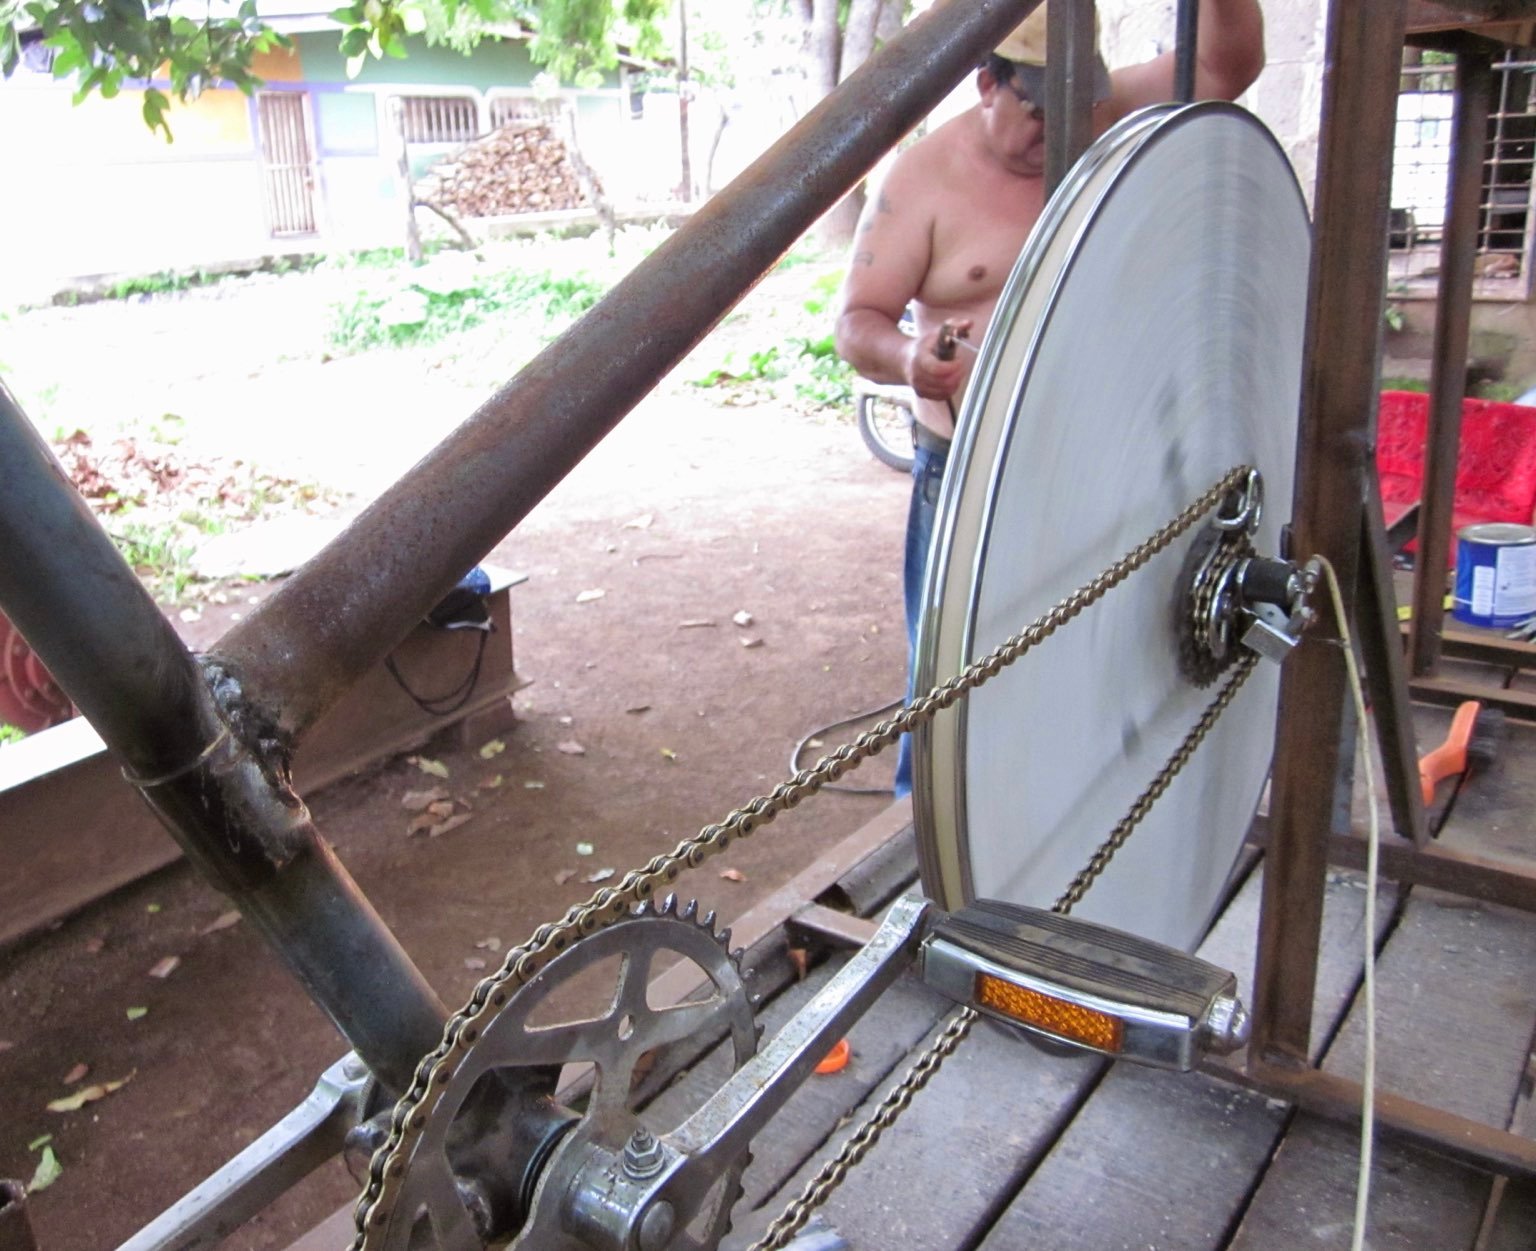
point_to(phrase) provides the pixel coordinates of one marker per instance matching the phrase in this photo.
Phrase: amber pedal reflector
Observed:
(1057, 1017)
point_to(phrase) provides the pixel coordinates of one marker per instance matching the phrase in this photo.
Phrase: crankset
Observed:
(611, 1179)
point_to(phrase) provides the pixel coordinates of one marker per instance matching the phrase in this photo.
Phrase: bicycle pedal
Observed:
(1089, 985)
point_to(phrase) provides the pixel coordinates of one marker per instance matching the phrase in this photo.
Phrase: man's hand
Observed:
(928, 372)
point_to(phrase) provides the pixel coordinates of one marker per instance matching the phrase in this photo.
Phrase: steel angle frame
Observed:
(1309, 824)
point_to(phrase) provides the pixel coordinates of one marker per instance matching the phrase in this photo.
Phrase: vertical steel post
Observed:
(1339, 396)
(1186, 47)
(1448, 364)
(1071, 52)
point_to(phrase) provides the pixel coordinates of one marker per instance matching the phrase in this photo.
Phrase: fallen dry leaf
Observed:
(733, 875)
(566, 720)
(602, 875)
(473, 962)
(571, 748)
(695, 625)
(76, 1074)
(564, 876)
(164, 968)
(87, 1094)
(415, 801)
(533, 786)
(642, 522)
(583, 849)
(42, 1140)
(49, 1170)
(490, 783)
(489, 944)
(751, 642)
(421, 821)
(440, 808)
(586, 597)
(494, 748)
(638, 708)
(94, 945)
(668, 753)
(452, 823)
(743, 618)
(435, 767)
(221, 922)
(137, 1014)
(801, 960)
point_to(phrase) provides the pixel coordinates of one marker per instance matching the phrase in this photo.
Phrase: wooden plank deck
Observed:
(1011, 1146)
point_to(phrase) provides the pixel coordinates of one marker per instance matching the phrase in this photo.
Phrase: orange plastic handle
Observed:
(1450, 758)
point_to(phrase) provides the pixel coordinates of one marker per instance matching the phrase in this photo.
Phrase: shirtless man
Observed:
(943, 232)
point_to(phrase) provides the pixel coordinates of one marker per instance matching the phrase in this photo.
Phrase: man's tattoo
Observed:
(883, 204)
(863, 258)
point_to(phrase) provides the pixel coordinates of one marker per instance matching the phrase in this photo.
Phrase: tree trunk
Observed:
(859, 35)
(403, 172)
(826, 48)
(837, 228)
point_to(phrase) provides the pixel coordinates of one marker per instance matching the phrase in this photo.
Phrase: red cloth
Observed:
(1495, 470)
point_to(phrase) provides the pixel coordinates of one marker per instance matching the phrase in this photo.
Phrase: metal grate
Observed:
(1426, 104)
(439, 119)
(287, 162)
(508, 109)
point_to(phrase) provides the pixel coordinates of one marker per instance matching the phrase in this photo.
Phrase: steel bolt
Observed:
(643, 1156)
(1227, 1025)
(656, 1226)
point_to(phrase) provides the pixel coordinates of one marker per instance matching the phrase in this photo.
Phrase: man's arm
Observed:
(886, 269)
(1229, 55)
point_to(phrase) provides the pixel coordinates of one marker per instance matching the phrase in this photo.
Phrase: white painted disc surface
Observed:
(1149, 340)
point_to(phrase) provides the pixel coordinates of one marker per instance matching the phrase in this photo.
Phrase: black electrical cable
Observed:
(826, 732)
(451, 701)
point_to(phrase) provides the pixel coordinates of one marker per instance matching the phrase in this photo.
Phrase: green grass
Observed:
(543, 284)
(10, 734)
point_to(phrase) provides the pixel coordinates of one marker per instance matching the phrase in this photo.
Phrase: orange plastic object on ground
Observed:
(836, 1060)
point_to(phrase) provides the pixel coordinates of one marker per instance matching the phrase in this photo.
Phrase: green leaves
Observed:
(108, 45)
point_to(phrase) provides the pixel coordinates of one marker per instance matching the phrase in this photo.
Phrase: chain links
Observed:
(835, 1171)
(386, 1171)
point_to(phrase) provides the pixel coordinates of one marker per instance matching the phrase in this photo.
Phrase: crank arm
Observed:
(292, 1149)
(612, 1209)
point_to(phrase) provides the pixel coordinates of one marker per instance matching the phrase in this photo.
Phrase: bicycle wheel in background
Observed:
(885, 425)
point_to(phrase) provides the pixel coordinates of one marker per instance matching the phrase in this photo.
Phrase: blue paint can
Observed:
(1495, 575)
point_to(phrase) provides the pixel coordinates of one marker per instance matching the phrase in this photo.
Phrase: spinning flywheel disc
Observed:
(1148, 341)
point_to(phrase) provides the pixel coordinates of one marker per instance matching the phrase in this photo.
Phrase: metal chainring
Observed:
(428, 1210)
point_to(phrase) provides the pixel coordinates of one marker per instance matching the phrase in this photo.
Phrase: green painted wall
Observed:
(493, 63)
(348, 123)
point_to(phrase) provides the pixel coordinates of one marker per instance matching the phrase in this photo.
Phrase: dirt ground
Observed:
(694, 511)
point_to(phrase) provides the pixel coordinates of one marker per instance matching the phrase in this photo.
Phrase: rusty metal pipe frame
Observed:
(355, 600)
(177, 730)
(1448, 375)
(1339, 397)
(1338, 1099)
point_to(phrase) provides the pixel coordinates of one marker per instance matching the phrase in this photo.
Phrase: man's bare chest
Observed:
(976, 239)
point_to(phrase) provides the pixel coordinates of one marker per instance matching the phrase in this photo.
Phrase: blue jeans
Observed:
(927, 476)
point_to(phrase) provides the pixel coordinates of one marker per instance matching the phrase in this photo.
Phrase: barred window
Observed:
(1425, 112)
(439, 119)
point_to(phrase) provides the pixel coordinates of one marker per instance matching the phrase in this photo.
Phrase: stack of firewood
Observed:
(521, 168)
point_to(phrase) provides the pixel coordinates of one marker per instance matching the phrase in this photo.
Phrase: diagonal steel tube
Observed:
(94, 625)
(353, 602)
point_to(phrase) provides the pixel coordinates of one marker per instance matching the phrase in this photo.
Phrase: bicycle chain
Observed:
(835, 1171)
(523, 962)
